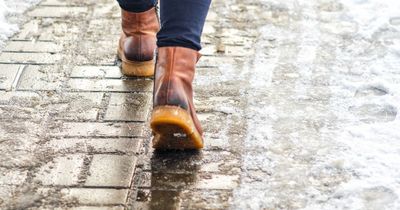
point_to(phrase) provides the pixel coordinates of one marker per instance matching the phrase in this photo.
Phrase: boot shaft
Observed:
(138, 37)
(175, 69)
(140, 23)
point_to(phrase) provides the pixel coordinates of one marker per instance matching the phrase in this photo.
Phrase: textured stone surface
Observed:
(109, 72)
(128, 107)
(64, 136)
(95, 145)
(97, 129)
(29, 58)
(46, 11)
(63, 171)
(28, 46)
(41, 77)
(111, 171)
(96, 196)
(13, 177)
(110, 85)
(8, 73)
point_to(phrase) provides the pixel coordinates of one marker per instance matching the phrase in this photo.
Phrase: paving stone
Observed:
(216, 181)
(192, 163)
(208, 29)
(61, 31)
(29, 46)
(92, 208)
(95, 129)
(145, 180)
(6, 194)
(188, 180)
(26, 130)
(165, 162)
(230, 32)
(111, 171)
(142, 205)
(8, 72)
(19, 98)
(28, 31)
(128, 107)
(215, 61)
(208, 39)
(29, 58)
(227, 50)
(109, 72)
(75, 106)
(186, 199)
(97, 26)
(97, 52)
(243, 51)
(55, 3)
(35, 77)
(212, 16)
(48, 11)
(13, 177)
(170, 181)
(206, 199)
(96, 196)
(201, 71)
(143, 195)
(102, 145)
(161, 199)
(61, 171)
(237, 41)
(50, 30)
(213, 167)
(97, 30)
(216, 144)
(107, 10)
(111, 85)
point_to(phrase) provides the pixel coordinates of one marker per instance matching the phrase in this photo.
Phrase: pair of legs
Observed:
(181, 21)
(177, 38)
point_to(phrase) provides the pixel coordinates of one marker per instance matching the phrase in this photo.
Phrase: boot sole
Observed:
(173, 128)
(136, 69)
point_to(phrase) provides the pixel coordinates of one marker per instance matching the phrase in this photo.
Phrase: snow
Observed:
(322, 117)
(372, 134)
(11, 8)
(6, 29)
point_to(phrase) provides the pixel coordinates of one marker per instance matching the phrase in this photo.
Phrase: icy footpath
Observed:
(322, 113)
(299, 100)
(371, 128)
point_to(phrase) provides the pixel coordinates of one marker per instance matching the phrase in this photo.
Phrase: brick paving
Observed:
(74, 131)
(72, 128)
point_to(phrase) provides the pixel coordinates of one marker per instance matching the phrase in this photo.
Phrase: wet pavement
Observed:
(298, 99)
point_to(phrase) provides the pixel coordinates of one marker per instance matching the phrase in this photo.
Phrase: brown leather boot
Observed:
(173, 120)
(138, 42)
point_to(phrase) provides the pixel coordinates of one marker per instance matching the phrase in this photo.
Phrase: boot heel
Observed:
(138, 69)
(173, 128)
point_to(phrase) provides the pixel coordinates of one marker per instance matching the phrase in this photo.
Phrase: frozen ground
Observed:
(10, 9)
(299, 100)
(323, 98)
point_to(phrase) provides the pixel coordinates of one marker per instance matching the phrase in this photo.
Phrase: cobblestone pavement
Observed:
(276, 90)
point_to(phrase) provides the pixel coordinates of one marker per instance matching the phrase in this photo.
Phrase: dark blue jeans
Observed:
(182, 21)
